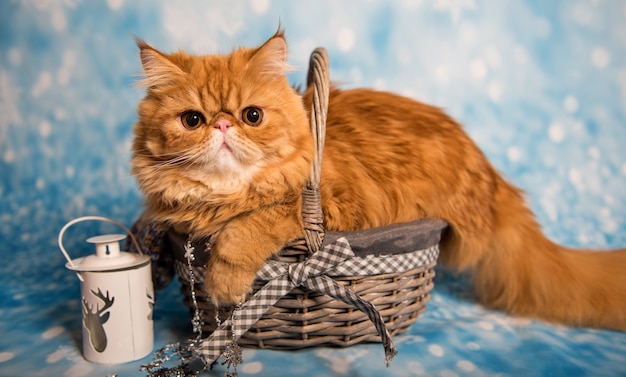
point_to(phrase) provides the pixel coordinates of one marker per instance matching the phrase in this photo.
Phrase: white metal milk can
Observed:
(117, 298)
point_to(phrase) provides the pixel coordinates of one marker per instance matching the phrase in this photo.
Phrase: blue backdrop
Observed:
(540, 85)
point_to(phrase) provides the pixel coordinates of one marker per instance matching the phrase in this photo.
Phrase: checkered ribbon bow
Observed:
(281, 279)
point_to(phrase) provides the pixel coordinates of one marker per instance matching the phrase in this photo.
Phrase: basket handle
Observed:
(312, 215)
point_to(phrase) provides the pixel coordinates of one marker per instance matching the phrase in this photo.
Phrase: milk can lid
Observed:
(124, 260)
(108, 256)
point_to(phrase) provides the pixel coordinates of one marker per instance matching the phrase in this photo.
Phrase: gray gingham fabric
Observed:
(334, 259)
(385, 264)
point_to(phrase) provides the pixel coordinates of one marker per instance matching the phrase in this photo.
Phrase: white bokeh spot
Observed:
(556, 131)
(260, 6)
(582, 14)
(454, 7)
(6, 356)
(40, 184)
(79, 370)
(9, 97)
(115, 4)
(473, 346)
(380, 84)
(514, 154)
(341, 362)
(448, 373)
(436, 350)
(494, 91)
(9, 156)
(520, 54)
(345, 39)
(69, 171)
(478, 69)
(58, 19)
(52, 332)
(600, 57)
(610, 226)
(15, 56)
(254, 367)
(550, 208)
(412, 4)
(466, 366)
(576, 178)
(45, 128)
(442, 75)
(64, 73)
(493, 57)
(570, 103)
(404, 56)
(44, 82)
(356, 75)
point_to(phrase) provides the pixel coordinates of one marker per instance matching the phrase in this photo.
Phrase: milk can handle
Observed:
(88, 218)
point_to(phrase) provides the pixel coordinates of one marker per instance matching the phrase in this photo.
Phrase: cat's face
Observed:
(216, 124)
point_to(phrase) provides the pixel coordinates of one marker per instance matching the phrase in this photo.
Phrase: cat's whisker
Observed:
(184, 158)
(176, 161)
(166, 155)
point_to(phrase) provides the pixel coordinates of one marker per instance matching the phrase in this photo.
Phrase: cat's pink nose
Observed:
(223, 125)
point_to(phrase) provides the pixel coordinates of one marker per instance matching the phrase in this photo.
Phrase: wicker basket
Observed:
(304, 318)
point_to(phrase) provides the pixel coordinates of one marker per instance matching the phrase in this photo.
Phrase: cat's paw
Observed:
(227, 284)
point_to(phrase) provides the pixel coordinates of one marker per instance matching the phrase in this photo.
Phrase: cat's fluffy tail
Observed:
(521, 272)
(543, 280)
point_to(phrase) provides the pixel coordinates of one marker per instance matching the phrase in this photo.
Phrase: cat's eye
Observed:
(252, 116)
(192, 119)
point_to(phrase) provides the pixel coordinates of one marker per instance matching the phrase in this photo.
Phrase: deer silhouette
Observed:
(93, 321)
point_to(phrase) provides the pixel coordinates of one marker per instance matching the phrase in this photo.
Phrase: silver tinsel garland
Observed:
(190, 360)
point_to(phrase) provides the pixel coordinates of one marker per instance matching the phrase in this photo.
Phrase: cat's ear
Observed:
(271, 57)
(158, 70)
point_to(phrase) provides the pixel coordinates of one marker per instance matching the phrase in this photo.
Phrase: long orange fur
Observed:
(387, 159)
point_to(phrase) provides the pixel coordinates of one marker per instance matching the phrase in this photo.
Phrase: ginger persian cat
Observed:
(223, 148)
